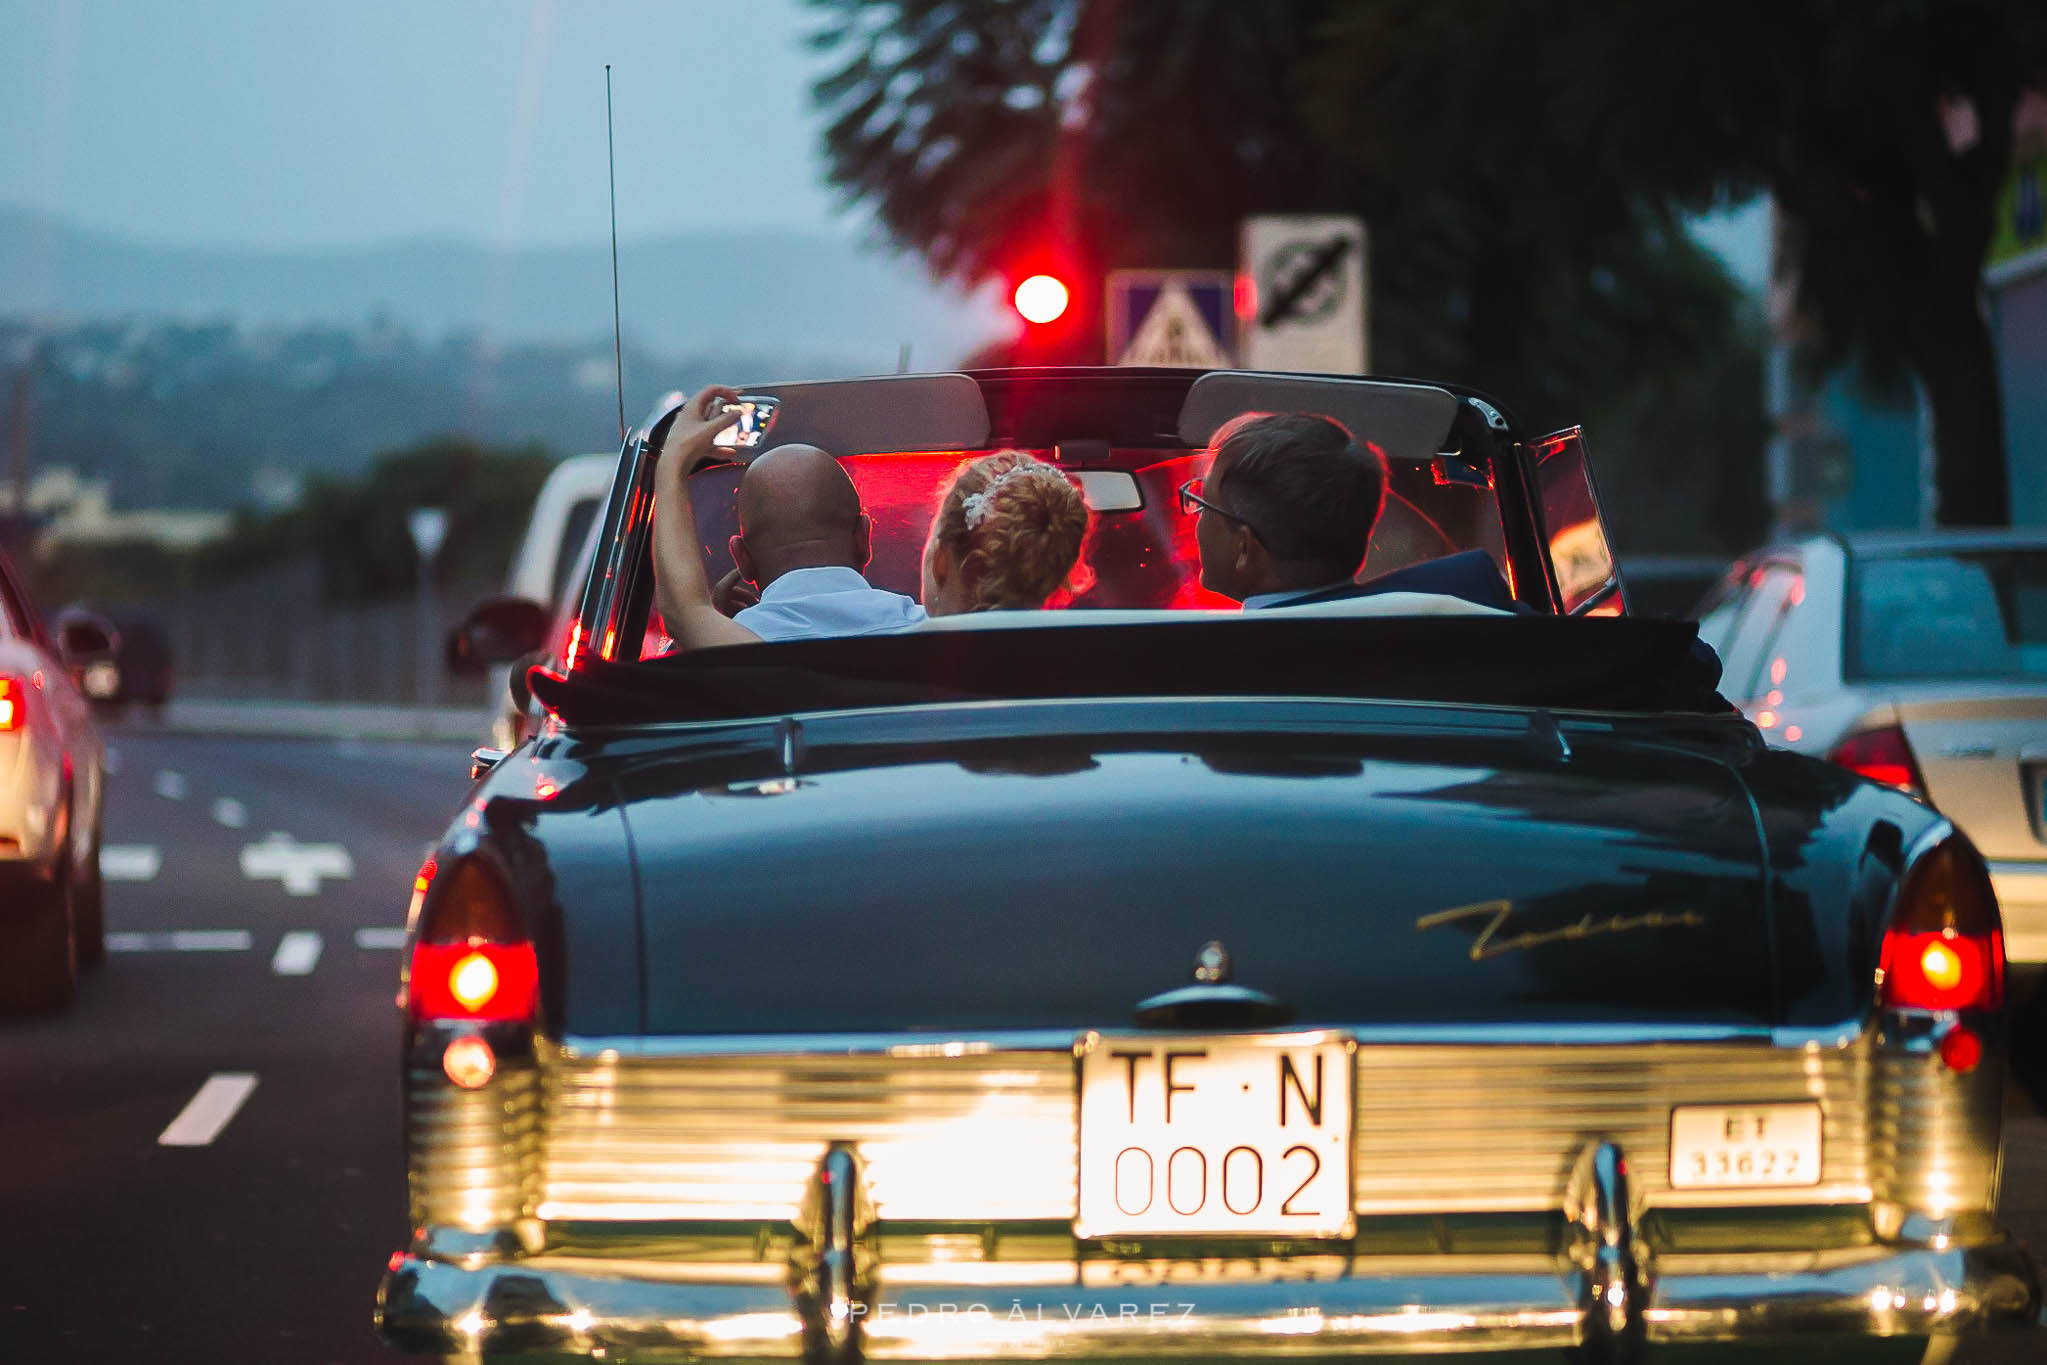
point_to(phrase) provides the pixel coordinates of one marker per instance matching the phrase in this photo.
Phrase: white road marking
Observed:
(230, 812)
(170, 786)
(297, 953)
(200, 1122)
(130, 862)
(183, 941)
(113, 764)
(300, 867)
(380, 938)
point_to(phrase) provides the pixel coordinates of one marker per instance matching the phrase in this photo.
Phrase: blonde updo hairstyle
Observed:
(1013, 525)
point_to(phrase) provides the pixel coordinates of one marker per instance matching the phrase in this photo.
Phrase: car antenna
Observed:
(617, 340)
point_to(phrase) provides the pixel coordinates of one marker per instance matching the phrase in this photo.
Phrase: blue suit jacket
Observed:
(1468, 574)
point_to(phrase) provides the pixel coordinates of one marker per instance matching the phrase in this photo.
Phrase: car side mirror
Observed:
(499, 630)
(83, 639)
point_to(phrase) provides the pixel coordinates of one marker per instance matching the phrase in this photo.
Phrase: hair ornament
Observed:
(976, 506)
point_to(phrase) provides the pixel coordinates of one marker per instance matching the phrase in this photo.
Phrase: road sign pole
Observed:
(428, 527)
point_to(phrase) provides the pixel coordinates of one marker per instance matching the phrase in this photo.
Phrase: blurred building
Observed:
(2016, 280)
(68, 509)
(1842, 459)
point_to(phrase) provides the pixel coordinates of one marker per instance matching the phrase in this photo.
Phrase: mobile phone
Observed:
(756, 415)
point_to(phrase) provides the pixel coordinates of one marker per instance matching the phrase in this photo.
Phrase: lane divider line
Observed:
(297, 953)
(130, 862)
(230, 812)
(209, 1111)
(183, 941)
(380, 938)
(170, 786)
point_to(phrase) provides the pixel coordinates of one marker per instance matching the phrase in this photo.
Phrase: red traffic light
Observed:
(1041, 299)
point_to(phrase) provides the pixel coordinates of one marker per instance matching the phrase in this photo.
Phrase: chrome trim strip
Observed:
(577, 1048)
(1403, 1306)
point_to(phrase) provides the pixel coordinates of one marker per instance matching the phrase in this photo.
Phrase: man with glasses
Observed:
(1286, 513)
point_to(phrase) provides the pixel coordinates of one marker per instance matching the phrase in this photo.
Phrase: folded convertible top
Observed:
(1563, 663)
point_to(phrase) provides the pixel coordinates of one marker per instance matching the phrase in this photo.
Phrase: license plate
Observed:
(1714, 1145)
(1237, 1135)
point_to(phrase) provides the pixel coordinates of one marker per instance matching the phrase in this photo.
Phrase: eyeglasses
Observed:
(1192, 502)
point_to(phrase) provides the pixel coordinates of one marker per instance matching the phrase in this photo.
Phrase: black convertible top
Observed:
(1565, 663)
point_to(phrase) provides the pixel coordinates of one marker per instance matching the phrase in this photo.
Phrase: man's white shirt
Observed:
(805, 603)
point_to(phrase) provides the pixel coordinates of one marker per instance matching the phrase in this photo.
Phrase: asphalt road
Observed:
(155, 1205)
(262, 1243)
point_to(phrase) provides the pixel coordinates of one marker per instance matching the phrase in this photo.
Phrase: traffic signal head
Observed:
(1041, 299)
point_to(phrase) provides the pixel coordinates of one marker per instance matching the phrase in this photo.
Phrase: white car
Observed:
(1917, 659)
(52, 768)
(552, 555)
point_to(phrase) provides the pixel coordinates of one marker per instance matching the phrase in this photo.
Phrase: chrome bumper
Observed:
(564, 1304)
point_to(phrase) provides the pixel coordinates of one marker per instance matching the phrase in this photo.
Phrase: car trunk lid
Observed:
(1490, 878)
(1981, 749)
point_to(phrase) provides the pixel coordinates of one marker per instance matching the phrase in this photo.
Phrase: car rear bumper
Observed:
(1409, 1306)
(2022, 898)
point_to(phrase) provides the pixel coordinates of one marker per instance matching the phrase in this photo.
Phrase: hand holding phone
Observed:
(756, 415)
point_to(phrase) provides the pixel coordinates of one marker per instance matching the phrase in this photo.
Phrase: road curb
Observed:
(317, 720)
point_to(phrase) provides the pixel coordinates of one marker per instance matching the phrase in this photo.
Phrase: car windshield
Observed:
(1141, 549)
(1973, 614)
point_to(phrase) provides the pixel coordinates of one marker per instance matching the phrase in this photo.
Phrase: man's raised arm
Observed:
(681, 589)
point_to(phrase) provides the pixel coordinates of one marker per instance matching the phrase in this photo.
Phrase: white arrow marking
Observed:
(113, 760)
(230, 812)
(200, 1122)
(380, 938)
(299, 866)
(182, 941)
(130, 862)
(297, 953)
(170, 786)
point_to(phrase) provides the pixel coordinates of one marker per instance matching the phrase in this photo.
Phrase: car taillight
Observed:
(1881, 755)
(11, 706)
(1944, 949)
(471, 959)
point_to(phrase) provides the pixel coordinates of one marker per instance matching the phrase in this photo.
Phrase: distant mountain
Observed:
(700, 293)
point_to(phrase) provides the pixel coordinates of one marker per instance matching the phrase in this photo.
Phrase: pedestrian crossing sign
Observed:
(1182, 318)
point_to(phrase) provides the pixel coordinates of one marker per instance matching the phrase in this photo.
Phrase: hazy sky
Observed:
(291, 122)
(344, 122)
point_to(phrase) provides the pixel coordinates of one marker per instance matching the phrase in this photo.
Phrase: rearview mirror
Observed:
(499, 630)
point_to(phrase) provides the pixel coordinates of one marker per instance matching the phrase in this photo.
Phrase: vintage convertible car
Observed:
(1135, 979)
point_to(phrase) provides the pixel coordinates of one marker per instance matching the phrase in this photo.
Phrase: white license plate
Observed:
(1237, 1135)
(1714, 1145)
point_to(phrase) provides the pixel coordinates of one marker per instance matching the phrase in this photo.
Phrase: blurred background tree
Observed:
(357, 527)
(1526, 171)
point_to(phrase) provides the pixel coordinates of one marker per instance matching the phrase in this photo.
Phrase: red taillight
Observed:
(485, 981)
(1880, 755)
(1944, 949)
(471, 960)
(11, 717)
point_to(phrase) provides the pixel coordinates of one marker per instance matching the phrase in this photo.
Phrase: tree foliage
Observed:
(358, 528)
(992, 136)
(1525, 168)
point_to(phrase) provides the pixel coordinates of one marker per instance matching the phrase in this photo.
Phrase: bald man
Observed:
(803, 540)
